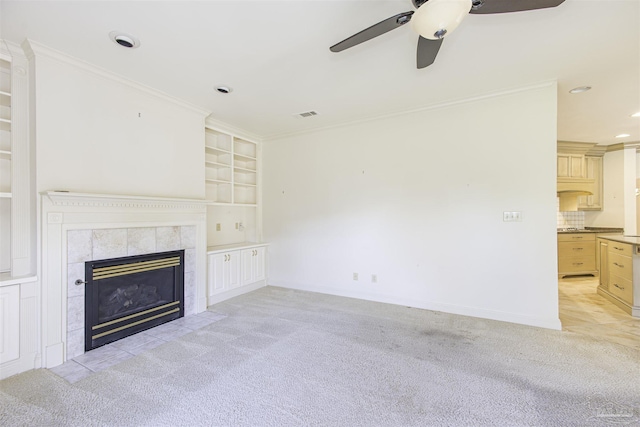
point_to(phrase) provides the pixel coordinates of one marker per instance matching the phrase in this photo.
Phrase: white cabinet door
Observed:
(224, 272)
(233, 269)
(248, 270)
(260, 263)
(253, 265)
(216, 273)
(9, 323)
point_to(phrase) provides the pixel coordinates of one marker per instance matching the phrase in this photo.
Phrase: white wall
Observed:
(612, 213)
(97, 134)
(418, 200)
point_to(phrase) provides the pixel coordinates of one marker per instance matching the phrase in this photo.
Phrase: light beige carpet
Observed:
(291, 358)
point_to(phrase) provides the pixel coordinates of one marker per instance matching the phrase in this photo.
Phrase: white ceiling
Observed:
(275, 55)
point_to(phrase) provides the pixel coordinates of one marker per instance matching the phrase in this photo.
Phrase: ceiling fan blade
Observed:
(504, 6)
(427, 51)
(373, 31)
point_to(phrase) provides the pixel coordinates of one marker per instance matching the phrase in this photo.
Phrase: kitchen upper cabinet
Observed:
(571, 165)
(593, 170)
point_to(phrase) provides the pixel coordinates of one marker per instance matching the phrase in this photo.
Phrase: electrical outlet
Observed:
(374, 278)
(218, 227)
(355, 276)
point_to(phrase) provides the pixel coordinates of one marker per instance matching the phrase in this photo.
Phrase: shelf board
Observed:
(216, 165)
(217, 181)
(5, 195)
(6, 94)
(220, 150)
(243, 170)
(4, 154)
(243, 157)
(241, 184)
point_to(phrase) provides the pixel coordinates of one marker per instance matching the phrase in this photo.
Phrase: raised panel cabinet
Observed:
(9, 323)
(571, 165)
(593, 170)
(253, 263)
(223, 272)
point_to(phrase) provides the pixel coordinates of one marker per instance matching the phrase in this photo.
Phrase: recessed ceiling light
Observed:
(580, 89)
(224, 89)
(124, 39)
(623, 135)
(636, 114)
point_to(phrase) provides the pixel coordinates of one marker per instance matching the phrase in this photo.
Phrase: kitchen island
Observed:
(620, 272)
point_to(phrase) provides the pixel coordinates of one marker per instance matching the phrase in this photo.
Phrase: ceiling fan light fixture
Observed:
(636, 114)
(436, 18)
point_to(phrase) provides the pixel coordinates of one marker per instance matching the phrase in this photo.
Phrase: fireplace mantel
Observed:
(127, 222)
(66, 198)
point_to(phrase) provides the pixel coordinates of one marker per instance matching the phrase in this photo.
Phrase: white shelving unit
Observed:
(231, 169)
(5, 165)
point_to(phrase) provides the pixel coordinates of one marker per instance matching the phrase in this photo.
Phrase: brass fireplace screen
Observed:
(124, 296)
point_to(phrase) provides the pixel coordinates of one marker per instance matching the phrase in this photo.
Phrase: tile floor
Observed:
(111, 354)
(585, 312)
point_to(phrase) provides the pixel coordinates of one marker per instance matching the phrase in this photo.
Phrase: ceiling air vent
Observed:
(306, 114)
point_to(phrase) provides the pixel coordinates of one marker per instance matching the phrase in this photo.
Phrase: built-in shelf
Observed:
(5, 195)
(231, 169)
(5, 154)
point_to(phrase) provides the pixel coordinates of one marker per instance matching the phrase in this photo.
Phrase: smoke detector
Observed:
(306, 114)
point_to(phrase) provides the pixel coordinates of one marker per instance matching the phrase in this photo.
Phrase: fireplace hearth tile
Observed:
(103, 357)
(133, 341)
(72, 371)
(149, 345)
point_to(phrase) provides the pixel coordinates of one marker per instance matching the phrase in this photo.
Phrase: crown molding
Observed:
(39, 49)
(236, 132)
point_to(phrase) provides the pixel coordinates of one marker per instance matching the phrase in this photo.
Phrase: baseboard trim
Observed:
(510, 317)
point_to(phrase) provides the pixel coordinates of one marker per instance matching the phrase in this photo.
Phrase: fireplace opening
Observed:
(124, 296)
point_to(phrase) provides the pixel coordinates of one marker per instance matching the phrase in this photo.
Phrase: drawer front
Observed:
(573, 249)
(576, 237)
(622, 288)
(576, 264)
(621, 266)
(620, 248)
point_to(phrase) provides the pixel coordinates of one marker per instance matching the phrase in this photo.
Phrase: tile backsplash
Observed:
(570, 219)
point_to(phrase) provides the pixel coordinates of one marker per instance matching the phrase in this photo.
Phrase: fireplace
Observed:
(124, 296)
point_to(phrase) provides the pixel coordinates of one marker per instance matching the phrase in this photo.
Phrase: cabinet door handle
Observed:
(577, 237)
(618, 286)
(578, 263)
(618, 249)
(578, 249)
(618, 265)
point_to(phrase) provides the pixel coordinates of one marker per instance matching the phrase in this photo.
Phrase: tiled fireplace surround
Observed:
(87, 245)
(81, 227)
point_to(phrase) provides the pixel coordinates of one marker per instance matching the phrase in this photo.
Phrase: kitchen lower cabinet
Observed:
(621, 265)
(234, 270)
(576, 254)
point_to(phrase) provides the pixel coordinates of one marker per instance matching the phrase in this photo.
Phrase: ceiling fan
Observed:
(434, 19)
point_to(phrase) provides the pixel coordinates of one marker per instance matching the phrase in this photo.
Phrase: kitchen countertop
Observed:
(593, 230)
(632, 240)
